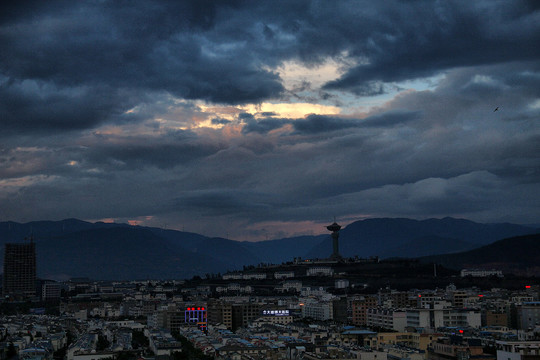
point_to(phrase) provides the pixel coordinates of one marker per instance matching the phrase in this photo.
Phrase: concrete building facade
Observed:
(19, 280)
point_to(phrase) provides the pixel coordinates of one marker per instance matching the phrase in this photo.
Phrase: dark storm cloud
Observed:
(391, 118)
(96, 97)
(218, 121)
(447, 36)
(221, 51)
(125, 153)
(245, 116)
(314, 124)
(156, 155)
(320, 123)
(369, 88)
(225, 201)
(263, 126)
(102, 48)
(34, 106)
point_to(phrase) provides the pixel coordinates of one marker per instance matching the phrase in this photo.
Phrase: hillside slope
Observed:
(73, 248)
(518, 255)
(387, 237)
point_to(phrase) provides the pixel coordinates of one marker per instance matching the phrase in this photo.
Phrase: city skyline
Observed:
(260, 120)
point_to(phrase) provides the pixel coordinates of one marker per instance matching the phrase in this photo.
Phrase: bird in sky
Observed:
(496, 109)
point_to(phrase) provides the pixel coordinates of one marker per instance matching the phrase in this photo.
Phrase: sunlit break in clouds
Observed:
(258, 120)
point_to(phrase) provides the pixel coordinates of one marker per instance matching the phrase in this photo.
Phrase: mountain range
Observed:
(519, 255)
(75, 248)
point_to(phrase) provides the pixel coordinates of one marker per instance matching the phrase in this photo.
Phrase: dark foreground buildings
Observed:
(19, 280)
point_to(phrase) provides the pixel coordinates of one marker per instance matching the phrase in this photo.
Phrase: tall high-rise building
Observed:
(19, 279)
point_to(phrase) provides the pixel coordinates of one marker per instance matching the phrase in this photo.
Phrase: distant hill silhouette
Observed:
(518, 255)
(73, 248)
(390, 237)
(229, 254)
(121, 253)
(283, 250)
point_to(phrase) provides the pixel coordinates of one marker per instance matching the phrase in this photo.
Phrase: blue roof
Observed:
(358, 332)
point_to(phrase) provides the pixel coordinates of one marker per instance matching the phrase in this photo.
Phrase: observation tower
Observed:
(334, 228)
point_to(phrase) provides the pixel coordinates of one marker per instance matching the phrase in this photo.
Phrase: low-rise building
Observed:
(387, 318)
(438, 318)
(359, 309)
(232, 276)
(255, 276)
(528, 315)
(318, 310)
(320, 271)
(518, 350)
(481, 273)
(458, 348)
(283, 275)
(292, 285)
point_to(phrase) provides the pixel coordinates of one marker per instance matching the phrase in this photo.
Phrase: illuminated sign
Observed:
(195, 315)
(202, 326)
(276, 312)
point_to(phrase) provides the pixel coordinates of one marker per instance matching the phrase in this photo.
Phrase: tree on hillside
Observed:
(11, 351)
(102, 343)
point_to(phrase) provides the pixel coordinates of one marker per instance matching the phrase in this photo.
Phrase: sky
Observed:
(255, 120)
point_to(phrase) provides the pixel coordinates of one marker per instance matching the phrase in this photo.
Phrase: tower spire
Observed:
(334, 228)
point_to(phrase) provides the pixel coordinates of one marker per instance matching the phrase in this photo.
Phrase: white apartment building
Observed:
(481, 273)
(432, 300)
(369, 354)
(256, 276)
(313, 291)
(462, 318)
(318, 310)
(281, 320)
(517, 350)
(387, 318)
(292, 284)
(341, 284)
(437, 318)
(320, 271)
(232, 276)
(529, 315)
(284, 274)
(234, 287)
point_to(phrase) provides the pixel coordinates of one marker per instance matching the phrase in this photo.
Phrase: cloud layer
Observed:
(265, 119)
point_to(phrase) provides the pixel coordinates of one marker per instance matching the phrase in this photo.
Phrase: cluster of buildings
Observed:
(309, 310)
(447, 323)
